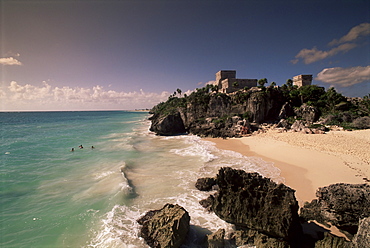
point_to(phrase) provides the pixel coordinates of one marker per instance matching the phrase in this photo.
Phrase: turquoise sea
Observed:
(92, 197)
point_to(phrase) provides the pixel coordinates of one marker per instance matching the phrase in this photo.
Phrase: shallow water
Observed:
(51, 197)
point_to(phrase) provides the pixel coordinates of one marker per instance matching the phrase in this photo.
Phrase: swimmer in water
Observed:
(72, 150)
(81, 147)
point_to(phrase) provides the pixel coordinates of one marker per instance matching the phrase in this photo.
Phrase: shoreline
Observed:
(309, 161)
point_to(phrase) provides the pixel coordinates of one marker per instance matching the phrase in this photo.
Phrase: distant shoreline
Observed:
(309, 161)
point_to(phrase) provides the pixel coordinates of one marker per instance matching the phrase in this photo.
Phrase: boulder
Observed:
(339, 204)
(332, 241)
(254, 238)
(286, 111)
(283, 124)
(205, 184)
(298, 126)
(308, 113)
(216, 240)
(362, 237)
(166, 227)
(251, 201)
(170, 124)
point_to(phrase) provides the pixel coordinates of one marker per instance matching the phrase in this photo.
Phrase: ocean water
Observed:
(92, 197)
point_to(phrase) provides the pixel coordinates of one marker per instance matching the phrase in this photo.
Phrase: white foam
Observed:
(119, 228)
(196, 148)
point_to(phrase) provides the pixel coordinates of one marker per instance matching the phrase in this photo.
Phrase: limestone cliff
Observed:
(216, 114)
(206, 112)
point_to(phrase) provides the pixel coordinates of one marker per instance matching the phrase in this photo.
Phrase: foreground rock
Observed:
(205, 184)
(253, 237)
(342, 205)
(251, 201)
(166, 227)
(362, 237)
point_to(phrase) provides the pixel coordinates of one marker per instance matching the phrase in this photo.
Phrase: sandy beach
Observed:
(309, 161)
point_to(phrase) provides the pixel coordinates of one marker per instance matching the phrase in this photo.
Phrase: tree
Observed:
(262, 82)
(273, 84)
(289, 83)
(179, 91)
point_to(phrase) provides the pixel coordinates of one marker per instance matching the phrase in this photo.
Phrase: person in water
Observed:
(81, 147)
(72, 150)
(92, 147)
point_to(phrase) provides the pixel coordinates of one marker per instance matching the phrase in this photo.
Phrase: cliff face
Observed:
(208, 113)
(217, 115)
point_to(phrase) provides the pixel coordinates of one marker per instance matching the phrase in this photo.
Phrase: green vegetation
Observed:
(333, 107)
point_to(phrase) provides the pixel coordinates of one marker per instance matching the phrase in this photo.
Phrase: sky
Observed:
(132, 54)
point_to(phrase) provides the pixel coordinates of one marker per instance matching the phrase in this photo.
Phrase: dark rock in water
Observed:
(216, 240)
(253, 237)
(249, 200)
(166, 227)
(340, 204)
(362, 237)
(207, 203)
(205, 184)
(332, 241)
(171, 124)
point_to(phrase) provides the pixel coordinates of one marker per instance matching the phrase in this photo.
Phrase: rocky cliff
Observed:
(209, 113)
(216, 114)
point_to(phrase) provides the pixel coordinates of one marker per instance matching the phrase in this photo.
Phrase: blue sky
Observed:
(98, 55)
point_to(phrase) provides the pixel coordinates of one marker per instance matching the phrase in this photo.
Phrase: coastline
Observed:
(309, 161)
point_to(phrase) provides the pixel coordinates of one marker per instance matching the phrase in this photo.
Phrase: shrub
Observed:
(361, 123)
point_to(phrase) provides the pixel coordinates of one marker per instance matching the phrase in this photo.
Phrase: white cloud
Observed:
(9, 61)
(45, 97)
(344, 77)
(361, 30)
(312, 55)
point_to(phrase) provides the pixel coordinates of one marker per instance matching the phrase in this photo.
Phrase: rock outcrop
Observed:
(260, 240)
(216, 240)
(171, 124)
(216, 115)
(251, 201)
(205, 183)
(362, 237)
(167, 227)
(342, 205)
(332, 241)
(308, 113)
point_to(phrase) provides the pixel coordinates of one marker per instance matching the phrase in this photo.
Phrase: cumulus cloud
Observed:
(342, 45)
(312, 55)
(9, 61)
(361, 30)
(25, 97)
(344, 77)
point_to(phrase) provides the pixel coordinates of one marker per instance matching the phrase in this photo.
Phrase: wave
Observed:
(197, 147)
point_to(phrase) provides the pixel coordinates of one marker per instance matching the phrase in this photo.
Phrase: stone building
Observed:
(227, 82)
(302, 80)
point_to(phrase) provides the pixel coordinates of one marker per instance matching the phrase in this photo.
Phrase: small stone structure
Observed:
(227, 82)
(302, 80)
